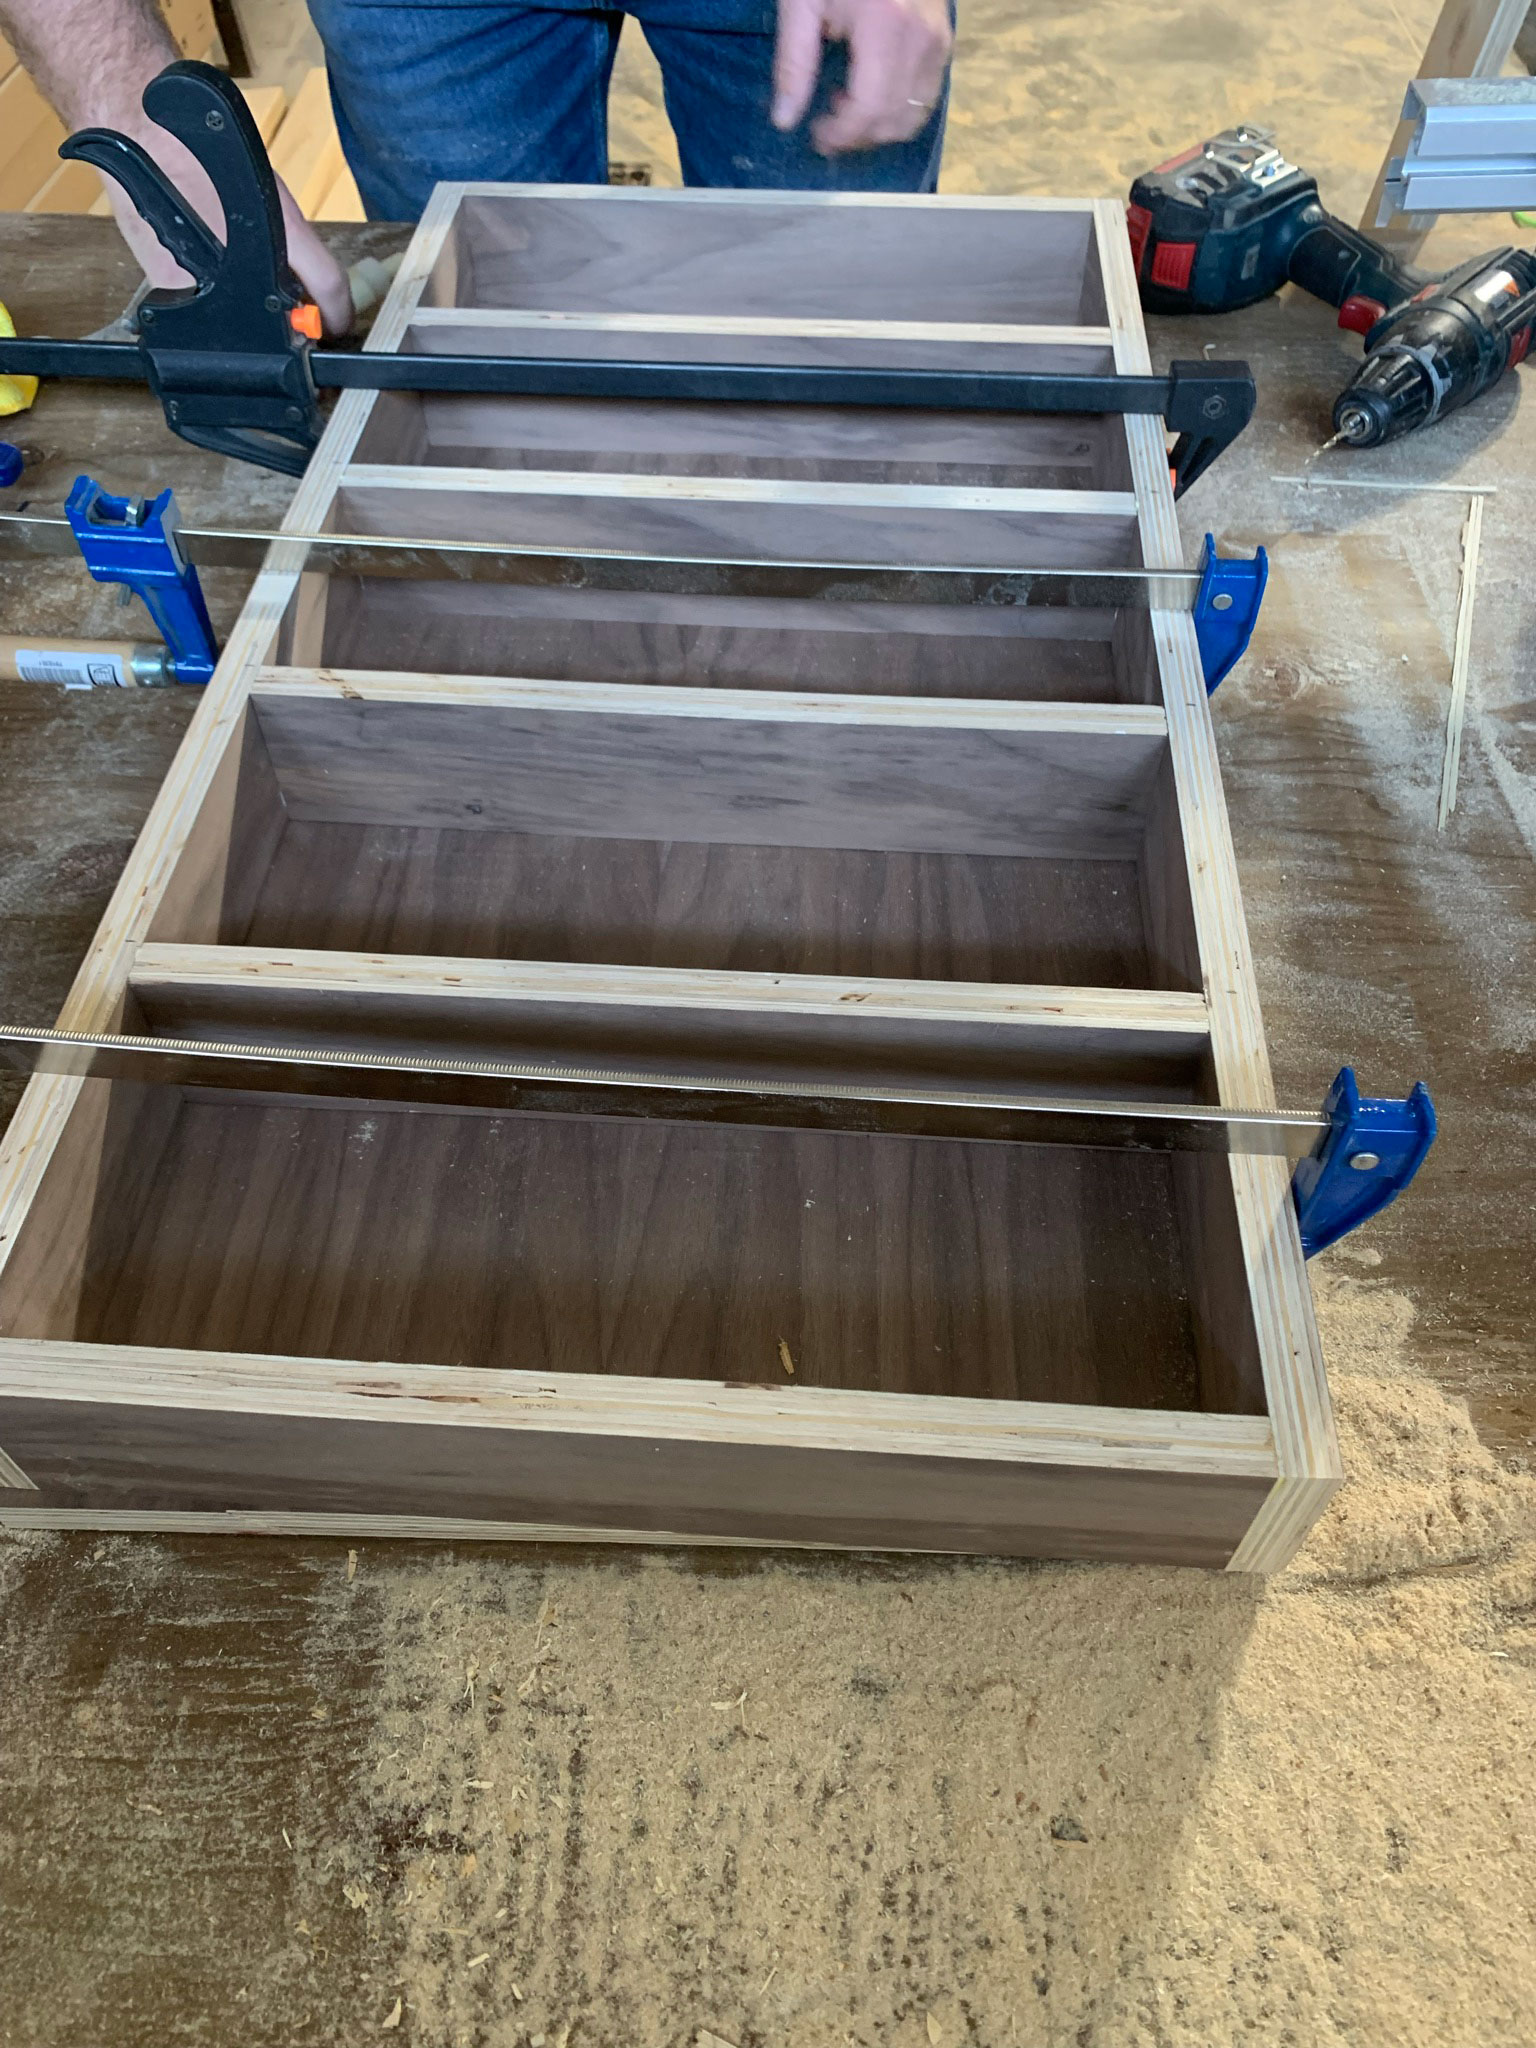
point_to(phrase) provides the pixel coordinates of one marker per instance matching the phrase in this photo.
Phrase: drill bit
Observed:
(1333, 442)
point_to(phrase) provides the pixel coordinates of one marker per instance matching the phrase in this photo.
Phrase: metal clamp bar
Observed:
(468, 561)
(538, 1087)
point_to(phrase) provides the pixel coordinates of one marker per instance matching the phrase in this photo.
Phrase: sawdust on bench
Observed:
(621, 1800)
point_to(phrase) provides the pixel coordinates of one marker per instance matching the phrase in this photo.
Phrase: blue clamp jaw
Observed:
(1373, 1147)
(133, 541)
(1227, 608)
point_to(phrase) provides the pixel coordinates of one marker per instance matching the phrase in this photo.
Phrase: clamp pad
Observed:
(1373, 1147)
(1227, 608)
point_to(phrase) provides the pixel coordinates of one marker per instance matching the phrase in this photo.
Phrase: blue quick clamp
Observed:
(1227, 608)
(133, 541)
(1373, 1147)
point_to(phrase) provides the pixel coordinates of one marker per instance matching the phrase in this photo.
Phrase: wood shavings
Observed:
(470, 1865)
(785, 1358)
(319, 1713)
(935, 2031)
(143, 1806)
(737, 1705)
(1471, 544)
(475, 1961)
(705, 2039)
(1279, 1671)
(471, 1673)
(356, 1895)
(351, 1566)
(542, 1651)
(287, 1839)
(392, 2017)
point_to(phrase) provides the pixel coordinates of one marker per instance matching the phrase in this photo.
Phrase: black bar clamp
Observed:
(234, 372)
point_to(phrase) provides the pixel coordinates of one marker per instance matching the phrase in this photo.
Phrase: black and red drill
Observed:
(1229, 221)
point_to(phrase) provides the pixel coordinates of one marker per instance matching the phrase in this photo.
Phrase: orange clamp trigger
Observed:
(306, 320)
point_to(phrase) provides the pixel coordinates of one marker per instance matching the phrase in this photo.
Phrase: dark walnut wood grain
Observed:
(761, 909)
(572, 1244)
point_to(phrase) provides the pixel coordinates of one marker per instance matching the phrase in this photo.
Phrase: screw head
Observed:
(1222, 601)
(214, 119)
(146, 316)
(295, 414)
(274, 303)
(1214, 407)
(1365, 1162)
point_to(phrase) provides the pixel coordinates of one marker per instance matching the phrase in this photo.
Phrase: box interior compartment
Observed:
(380, 822)
(754, 257)
(581, 1244)
(790, 443)
(999, 653)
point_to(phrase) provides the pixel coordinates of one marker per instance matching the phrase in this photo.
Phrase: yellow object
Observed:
(16, 393)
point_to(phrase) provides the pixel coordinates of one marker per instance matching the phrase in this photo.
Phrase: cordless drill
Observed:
(1229, 221)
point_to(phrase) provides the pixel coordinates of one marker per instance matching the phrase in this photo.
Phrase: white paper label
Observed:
(74, 671)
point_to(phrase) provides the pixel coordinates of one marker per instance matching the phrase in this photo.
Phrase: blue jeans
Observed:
(461, 89)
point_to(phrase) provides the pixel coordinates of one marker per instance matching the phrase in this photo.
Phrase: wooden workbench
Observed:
(1379, 942)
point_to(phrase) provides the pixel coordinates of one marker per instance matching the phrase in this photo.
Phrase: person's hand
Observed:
(897, 51)
(314, 265)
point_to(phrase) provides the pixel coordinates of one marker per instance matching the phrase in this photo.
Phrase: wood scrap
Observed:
(343, 201)
(1471, 543)
(306, 154)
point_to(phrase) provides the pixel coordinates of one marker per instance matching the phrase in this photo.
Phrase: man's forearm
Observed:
(92, 58)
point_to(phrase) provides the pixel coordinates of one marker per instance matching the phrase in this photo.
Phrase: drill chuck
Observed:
(1391, 393)
(1435, 354)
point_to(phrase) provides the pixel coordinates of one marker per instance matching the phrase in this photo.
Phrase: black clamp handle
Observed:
(223, 356)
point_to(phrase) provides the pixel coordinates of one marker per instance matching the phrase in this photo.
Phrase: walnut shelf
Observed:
(806, 837)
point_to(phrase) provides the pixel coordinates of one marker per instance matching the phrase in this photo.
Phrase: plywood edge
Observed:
(369, 1528)
(12, 1478)
(694, 195)
(582, 1404)
(497, 320)
(1295, 1380)
(1038, 1006)
(732, 490)
(1290, 1350)
(652, 700)
(1280, 1527)
(1122, 300)
(27, 1145)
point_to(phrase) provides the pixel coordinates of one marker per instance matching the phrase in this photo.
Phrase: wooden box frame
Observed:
(1060, 773)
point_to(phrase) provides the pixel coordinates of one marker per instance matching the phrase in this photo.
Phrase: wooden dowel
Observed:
(1471, 543)
(79, 664)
